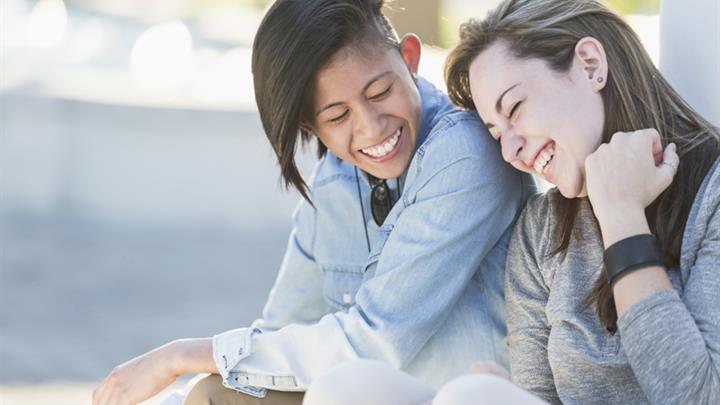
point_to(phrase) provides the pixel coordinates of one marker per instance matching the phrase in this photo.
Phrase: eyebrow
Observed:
(498, 103)
(369, 83)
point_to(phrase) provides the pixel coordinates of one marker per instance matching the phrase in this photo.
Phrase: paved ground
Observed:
(78, 299)
(59, 393)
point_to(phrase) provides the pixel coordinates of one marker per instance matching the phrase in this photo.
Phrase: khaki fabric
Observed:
(210, 391)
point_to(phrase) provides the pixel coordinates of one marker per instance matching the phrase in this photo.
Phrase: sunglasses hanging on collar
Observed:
(381, 201)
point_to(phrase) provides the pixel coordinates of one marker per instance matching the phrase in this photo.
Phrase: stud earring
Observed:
(600, 79)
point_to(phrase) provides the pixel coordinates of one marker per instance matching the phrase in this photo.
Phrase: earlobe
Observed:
(410, 47)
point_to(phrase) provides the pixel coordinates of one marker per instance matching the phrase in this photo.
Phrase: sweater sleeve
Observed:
(527, 295)
(672, 339)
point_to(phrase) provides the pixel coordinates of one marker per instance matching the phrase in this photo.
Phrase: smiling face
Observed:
(367, 107)
(547, 122)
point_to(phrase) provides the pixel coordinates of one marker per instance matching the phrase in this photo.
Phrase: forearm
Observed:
(660, 333)
(190, 356)
(672, 354)
(641, 283)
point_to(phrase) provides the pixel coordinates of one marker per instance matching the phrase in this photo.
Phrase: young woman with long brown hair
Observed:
(613, 276)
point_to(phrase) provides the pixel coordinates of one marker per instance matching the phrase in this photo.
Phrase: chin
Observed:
(570, 192)
(389, 173)
(395, 170)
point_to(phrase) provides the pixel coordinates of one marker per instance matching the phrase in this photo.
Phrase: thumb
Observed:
(657, 149)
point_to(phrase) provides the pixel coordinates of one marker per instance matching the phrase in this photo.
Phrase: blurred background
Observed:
(139, 199)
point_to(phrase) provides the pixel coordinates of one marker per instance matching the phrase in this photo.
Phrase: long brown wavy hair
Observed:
(636, 96)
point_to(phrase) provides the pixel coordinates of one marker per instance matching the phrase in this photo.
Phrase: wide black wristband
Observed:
(631, 254)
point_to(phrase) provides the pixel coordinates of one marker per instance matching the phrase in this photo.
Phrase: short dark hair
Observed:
(296, 38)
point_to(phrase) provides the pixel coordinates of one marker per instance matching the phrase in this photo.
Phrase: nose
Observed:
(512, 146)
(368, 122)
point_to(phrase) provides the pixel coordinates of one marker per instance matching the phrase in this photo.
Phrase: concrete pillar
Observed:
(419, 16)
(690, 52)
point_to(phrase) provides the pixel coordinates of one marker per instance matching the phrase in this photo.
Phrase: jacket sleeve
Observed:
(527, 295)
(672, 339)
(455, 218)
(296, 296)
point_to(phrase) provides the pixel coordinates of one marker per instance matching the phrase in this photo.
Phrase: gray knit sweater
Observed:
(667, 349)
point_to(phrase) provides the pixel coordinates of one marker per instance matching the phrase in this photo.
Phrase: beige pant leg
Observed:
(210, 391)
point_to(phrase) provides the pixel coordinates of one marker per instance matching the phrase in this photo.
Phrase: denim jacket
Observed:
(422, 292)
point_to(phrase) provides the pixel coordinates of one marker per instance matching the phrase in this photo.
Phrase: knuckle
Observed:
(651, 134)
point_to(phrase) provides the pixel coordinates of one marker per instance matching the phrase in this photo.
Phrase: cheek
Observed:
(337, 141)
(589, 122)
(408, 103)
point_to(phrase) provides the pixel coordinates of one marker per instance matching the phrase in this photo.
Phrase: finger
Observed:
(118, 398)
(100, 393)
(110, 398)
(619, 135)
(113, 398)
(658, 152)
(107, 395)
(669, 165)
(96, 395)
(657, 147)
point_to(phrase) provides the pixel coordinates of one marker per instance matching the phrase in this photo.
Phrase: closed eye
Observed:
(382, 94)
(339, 117)
(514, 110)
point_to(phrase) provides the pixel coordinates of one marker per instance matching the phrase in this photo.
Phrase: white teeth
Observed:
(542, 163)
(385, 148)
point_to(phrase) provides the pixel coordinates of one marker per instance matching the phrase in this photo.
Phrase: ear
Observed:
(410, 47)
(306, 127)
(591, 60)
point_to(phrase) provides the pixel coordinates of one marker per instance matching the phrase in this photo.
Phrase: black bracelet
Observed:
(631, 254)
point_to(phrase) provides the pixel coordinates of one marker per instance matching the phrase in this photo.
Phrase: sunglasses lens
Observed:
(380, 203)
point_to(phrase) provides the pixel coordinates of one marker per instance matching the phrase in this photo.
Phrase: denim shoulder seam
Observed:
(443, 168)
(444, 124)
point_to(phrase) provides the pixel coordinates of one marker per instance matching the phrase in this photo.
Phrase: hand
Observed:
(489, 367)
(138, 379)
(629, 173)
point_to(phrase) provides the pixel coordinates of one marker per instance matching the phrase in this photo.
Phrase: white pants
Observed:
(370, 382)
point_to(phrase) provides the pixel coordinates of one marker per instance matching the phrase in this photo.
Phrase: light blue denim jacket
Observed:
(427, 297)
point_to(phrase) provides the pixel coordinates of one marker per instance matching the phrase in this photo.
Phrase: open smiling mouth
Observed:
(385, 148)
(542, 161)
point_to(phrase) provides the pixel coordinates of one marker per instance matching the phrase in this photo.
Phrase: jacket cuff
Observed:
(229, 348)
